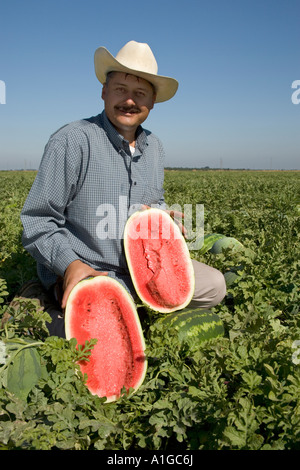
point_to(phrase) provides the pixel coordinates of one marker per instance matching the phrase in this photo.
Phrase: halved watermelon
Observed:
(159, 261)
(101, 308)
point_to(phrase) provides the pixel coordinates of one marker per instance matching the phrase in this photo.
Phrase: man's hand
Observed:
(75, 272)
(178, 217)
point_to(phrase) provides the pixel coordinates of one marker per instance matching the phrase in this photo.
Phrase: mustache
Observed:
(128, 109)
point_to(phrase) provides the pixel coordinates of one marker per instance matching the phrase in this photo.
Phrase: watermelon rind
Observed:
(194, 326)
(136, 278)
(131, 323)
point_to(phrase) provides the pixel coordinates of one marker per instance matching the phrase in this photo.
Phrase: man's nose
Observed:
(129, 98)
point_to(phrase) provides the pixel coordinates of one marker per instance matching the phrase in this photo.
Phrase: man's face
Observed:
(128, 100)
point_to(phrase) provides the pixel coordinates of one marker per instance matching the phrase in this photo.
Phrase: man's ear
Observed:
(103, 91)
(153, 100)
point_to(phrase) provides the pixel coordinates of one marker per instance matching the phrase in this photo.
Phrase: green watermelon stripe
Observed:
(203, 328)
(185, 314)
(196, 318)
(191, 319)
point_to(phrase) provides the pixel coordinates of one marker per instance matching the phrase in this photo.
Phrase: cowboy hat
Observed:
(137, 59)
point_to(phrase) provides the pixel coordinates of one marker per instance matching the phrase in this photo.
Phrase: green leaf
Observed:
(252, 379)
(236, 437)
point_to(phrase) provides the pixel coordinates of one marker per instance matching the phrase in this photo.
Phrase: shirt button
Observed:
(134, 183)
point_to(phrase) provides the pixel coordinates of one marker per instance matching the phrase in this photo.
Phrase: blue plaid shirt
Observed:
(78, 204)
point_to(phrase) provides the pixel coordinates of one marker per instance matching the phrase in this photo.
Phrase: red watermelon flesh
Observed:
(158, 260)
(101, 308)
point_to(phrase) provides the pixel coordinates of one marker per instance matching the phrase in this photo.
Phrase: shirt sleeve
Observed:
(43, 215)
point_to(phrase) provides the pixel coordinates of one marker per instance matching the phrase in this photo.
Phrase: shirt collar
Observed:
(118, 140)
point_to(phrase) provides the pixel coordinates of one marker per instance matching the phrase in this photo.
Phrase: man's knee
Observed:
(218, 288)
(210, 286)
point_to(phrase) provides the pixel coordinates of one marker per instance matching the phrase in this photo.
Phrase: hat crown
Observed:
(137, 56)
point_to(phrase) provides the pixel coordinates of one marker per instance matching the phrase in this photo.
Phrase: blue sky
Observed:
(235, 61)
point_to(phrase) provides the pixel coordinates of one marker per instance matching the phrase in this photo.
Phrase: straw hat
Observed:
(137, 59)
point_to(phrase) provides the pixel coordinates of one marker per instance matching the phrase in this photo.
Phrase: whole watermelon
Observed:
(195, 326)
(226, 243)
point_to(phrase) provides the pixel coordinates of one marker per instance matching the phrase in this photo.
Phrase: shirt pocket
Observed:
(151, 195)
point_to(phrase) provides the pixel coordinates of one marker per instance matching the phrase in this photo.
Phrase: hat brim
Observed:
(165, 87)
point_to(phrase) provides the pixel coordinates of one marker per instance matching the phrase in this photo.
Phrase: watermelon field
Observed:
(239, 391)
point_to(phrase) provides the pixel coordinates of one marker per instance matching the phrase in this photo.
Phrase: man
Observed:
(90, 165)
